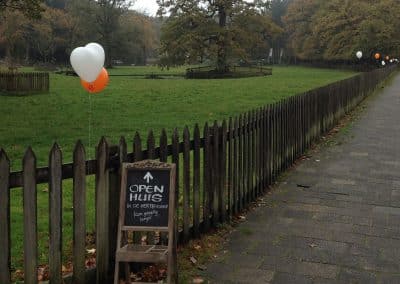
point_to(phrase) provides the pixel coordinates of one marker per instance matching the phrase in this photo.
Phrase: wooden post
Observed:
(79, 214)
(102, 213)
(235, 193)
(240, 164)
(175, 160)
(137, 156)
(245, 167)
(215, 175)
(230, 168)
(30, 217)
(222, 170)
(186, 184)
(55, 214)
(196, 181)
(5, 240)
(118, 152)
(206, 179)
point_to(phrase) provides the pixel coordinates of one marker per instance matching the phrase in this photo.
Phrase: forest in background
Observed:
(191, 31)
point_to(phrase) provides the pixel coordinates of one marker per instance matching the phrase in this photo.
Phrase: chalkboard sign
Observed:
(147, 198)
(147, 203)
(146, 195)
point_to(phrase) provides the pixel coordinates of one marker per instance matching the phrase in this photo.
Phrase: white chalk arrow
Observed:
(148, 177)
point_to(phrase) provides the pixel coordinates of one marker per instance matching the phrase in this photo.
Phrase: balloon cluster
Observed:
(88, 62)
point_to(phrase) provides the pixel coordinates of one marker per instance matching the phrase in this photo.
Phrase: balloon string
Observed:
(90, 125)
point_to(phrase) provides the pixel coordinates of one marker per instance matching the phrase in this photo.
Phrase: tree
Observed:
(336, 29)
(12, 35)
(137, 37)
(107, 17)
(30, 8)
(220, 30)
(50, 35)
(299, 27)
(276, 9)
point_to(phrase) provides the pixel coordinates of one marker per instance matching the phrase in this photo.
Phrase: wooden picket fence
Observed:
(24, 82)
(219, 174)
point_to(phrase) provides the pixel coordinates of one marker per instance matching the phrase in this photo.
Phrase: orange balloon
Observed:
(98, 85)
(377, 56)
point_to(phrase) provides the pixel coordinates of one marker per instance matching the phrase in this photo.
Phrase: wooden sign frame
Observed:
(148, 253)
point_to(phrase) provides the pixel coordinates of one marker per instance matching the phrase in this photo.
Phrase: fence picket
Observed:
(119, 151)
(5, 240)
(245, 159)
(55, 215)
(137, 148)
(163, 146)
(186, 184)
(206, 178)
(222, 172)
(79, 214)
(30, 217)
(196, 181)
(163, 158)
(230, 181)
(215, 175)
(102, 213)
(151, 153)
(235, 191)
(137, 156)
(240, 164)
(251, 119)
(175, 160)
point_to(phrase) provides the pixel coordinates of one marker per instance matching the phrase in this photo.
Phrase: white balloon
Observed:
(88, 61)
(98, 48)
(359, 54)
(383, 63)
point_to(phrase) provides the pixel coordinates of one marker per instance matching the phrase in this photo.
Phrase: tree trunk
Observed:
(144, 55)
(222, 46)
(107, 49)
(27, 49)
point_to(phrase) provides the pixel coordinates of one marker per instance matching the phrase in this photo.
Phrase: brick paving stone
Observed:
(343, 227)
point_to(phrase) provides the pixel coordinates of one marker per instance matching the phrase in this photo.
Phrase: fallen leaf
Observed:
(202, 267)
(313, 245)
(193, 260)
(198, 280)
(144, 240)
(91, 251)
(197, 247)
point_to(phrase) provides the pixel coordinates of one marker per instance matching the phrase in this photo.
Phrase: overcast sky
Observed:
(148, 6)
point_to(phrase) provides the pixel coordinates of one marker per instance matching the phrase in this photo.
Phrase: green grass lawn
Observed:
(68, 113)
(130, 105)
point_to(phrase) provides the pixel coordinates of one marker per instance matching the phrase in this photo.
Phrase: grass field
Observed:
(68, 113)
(130, 105)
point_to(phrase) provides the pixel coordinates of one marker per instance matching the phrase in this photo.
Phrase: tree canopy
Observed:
(336, 29)
(215, 30)
(30, 8)
(126, 35)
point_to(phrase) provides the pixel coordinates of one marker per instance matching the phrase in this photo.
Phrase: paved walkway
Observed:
(342, 225)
